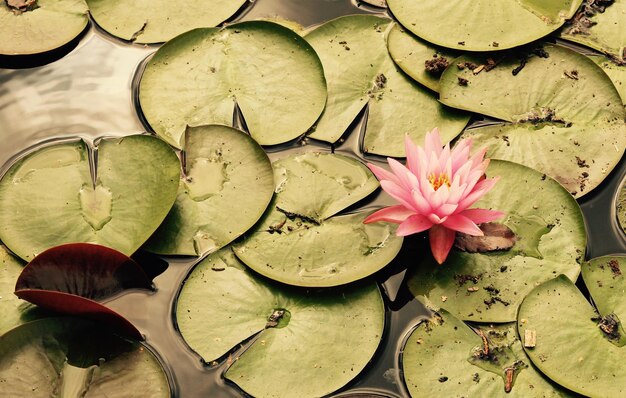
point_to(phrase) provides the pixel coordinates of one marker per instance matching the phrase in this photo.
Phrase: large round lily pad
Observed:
(48, 197)
(565, 117)
(14, 311)
(68, 357)
(155, 21)
(600, 25)
(269, 71)
(604, 278)
(43, 25)
(299, 242)
(306, 344)
(572, 347)
(421, 60)
(549, 240)
(226, 187)
(482, 25)
(444, 357)
(360, 73)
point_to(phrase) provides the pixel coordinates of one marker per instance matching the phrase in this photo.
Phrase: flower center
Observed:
(438, 180)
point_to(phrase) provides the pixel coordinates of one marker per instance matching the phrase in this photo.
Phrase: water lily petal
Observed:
(460, 223)
(401, 172)
(432, 143)
(446, 209)
(441, 241)
(479, 190)
(412, 155)
(420, 203)
(393, 214)
(401, 195)
(480, 216)
(460, 154)
(414, 224)
(382, 174)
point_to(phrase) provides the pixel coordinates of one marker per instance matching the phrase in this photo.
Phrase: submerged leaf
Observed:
(565, 117)
(155, 21)
(482, 25)
(227, 186)
(361, 73)
(310, 343)
(48, 197)
(67, 357)
(13, 311)
(549, 240)
(267, 70)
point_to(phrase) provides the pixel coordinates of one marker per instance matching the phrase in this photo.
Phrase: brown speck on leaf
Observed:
(572, 75)
(436, 65)
(615, 269)
(495, 44)
(508, 382)
(478, 69)
(461, 43)
(581, 162)
(462, 81)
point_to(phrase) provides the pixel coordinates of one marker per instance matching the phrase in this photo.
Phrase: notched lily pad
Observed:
(565, 117)
(36, 26)
(222, 304)
(549, 240)
(49, 197)
(68, 357)
(616, 72)
(360, 72)
(421, 60)
(481, 25)
(573, 347)
(600, 24)
(227, 184)
(156, 21)
(299, 241)
(269, 71)
(445, 357)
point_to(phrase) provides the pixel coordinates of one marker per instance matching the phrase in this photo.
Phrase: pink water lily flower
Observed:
(435, 190)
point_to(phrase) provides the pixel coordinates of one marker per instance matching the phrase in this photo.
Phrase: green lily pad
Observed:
(549, 240)
(421, 60)
(269, 71)
(360, 73)
(605, 281)
(44, 26)
(482, 25)
(299, 242)
(227, 186)
(222, 304)
(565, 117)
(600, 26)
(48, 197)
(571, 348)
(616, 72)
(150, 21)
(65, 357)
(14, 311)
(445, 357)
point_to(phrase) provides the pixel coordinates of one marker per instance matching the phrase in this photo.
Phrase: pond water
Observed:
(90, 93)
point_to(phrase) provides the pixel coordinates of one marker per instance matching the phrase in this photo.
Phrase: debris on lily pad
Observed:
(14, 310)
(311, 342)
(561, 113)
(421, 60)
(55, 195)
(37, 26)
(577, 347)
(481, 25)
(301, 241)
(68, 357)
(548, 238)
(156, 21)
(443, 357)
(360, 72)
(601, 25)
(268, 71)
(226, 187)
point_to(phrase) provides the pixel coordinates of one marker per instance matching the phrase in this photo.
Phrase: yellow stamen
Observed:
(438, 180)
